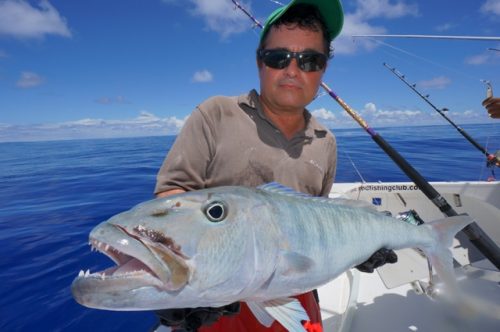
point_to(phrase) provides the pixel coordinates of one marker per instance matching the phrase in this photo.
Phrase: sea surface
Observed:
(53, 193)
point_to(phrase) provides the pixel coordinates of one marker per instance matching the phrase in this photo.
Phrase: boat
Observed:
(393, 297)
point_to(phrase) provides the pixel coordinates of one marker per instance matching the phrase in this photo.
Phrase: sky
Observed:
(120, 68)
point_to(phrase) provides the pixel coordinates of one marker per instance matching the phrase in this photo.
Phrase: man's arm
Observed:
(170, 192)
(185, 165)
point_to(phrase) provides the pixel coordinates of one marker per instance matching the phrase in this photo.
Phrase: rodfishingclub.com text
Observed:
(388, 188)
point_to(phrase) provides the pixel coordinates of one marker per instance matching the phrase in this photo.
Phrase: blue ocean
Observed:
(53, 193)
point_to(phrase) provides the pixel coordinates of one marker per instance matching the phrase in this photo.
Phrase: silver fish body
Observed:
(216, 246)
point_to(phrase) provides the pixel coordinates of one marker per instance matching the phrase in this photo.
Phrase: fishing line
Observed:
(354, 165)
(278, 3)
(425, 59)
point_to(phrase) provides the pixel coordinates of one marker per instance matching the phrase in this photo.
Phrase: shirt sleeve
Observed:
(185, 165)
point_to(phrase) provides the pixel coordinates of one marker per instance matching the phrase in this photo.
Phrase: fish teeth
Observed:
(87, 273)
(81, 273)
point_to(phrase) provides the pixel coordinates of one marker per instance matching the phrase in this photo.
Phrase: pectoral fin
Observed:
(259, 311)
(287, 311)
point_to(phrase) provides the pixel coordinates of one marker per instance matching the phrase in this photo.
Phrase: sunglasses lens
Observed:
(312, 61)
(307, 61)
(276, 59)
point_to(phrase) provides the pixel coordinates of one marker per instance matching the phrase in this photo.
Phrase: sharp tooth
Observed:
(81, 273)
(107, 247)
(87, 273)
(103, 276)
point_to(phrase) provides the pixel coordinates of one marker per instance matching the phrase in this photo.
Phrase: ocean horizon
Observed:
(10, 133)
(54, 192)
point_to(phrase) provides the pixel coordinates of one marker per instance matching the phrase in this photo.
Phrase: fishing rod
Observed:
(491, 159)
(475, 234)
(479, 38)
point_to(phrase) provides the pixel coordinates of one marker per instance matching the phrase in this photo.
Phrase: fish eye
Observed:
(215, 211)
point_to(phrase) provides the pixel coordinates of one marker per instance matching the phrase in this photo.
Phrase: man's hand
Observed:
(379, 258)
(492, 105)
(190, 319)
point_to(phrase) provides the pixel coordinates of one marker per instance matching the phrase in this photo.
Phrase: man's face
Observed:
(290, 89)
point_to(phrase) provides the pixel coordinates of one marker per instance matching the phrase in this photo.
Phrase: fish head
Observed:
(170, 251)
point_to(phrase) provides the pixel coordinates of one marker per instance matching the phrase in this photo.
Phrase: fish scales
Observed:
(331, 234)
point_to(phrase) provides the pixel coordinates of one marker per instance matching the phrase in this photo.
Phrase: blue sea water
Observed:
(53, 193)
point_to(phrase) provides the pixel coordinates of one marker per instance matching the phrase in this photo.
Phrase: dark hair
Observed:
(305, 17)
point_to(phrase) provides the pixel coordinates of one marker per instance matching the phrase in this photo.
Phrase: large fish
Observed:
(259, 245)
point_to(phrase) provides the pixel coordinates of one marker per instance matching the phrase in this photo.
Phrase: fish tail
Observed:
(439, 254)
(441, 259)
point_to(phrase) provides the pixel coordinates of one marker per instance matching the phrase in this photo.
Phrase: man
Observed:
(258, 138)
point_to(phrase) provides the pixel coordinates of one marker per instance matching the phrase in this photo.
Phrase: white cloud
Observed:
(370, 108)
(354, 25)
(145, 124)
(222, 17)
(397, 116)
(383, 8)
(358, 23)
(219, 15)
(439, 82)
(19, 19)
(112, 100)
(29, 80)
(324, 114)
(491, 7)
(478, 59)
(380, 117)
(444, 27)
(202, 76)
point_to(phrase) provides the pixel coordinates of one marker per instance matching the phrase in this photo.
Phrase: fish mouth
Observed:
(143, 257)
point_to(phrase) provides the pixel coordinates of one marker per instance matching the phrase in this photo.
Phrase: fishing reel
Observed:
(493, 159)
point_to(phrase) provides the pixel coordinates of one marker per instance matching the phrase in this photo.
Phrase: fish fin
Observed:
(291, 262)
(444, 230)
(469, 305)
(288, 312)
(259, 311)
(277, 188)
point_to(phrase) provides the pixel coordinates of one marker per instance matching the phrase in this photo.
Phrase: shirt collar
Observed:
(313, 128)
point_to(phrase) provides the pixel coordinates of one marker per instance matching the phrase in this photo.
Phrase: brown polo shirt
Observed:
(229, 141)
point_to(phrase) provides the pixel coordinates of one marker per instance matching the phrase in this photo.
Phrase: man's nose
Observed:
(293, 68)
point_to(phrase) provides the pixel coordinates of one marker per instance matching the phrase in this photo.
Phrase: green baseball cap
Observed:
(331, 10)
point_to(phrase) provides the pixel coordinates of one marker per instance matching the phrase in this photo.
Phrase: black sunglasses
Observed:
(278, 59)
